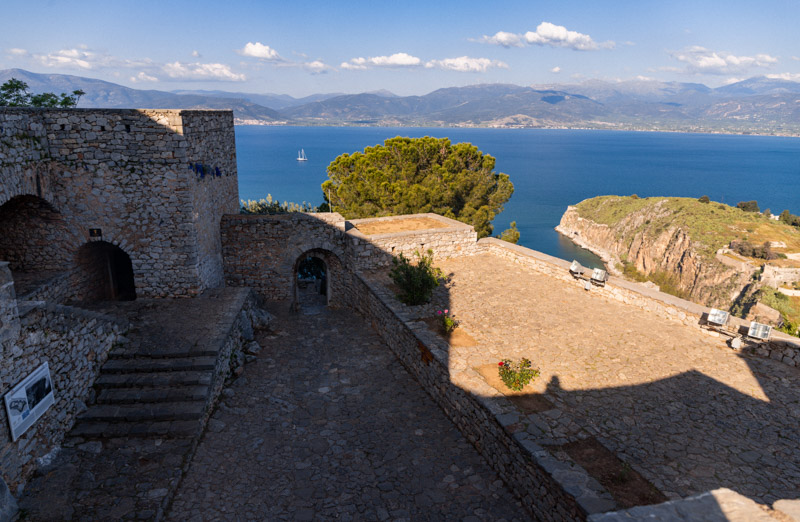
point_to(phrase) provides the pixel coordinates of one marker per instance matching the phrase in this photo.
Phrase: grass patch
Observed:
(666, 282)
(710, 225)
(788, 306)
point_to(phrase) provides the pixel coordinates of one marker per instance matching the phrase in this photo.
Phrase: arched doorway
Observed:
(32, 239)
(103, 272)
(317, 279)
(312, 281)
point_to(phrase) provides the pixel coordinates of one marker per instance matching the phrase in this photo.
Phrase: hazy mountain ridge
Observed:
(759, 105)
(104, 94)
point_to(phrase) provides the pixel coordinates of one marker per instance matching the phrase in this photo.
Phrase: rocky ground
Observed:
(326, 424)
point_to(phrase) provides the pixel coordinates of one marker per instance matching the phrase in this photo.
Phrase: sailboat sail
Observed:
(301, 156)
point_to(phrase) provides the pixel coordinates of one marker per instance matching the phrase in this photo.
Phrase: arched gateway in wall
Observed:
(316, 278)
(103, 272)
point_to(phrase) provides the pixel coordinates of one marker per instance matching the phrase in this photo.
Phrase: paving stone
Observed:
(350, 453)
(688, 412)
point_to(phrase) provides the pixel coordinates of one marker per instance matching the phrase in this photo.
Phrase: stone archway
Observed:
(316, 278)
(103, 272)
(33, 235)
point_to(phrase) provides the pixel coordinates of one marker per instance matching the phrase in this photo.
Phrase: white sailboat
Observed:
(301, 156)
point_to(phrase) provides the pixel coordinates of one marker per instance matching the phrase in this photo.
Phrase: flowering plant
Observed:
(448, 321)
(516, 374)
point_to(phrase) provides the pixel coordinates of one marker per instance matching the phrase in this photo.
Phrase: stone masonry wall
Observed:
(9, 315)
(776, 277)
(75, 344)
(549, 488)
(453, 239)
(154, 181)
(260, 251)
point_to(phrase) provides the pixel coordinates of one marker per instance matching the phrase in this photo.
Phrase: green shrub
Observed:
(517, 374)
(748, 206)
(511, 234)
(415, 281)
(748, 249)
(703, 199)
(447, 321)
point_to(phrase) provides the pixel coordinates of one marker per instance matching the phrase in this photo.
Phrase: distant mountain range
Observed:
(756, 105)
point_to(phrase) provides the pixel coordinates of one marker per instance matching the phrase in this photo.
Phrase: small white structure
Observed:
(718, 317)
(759, 331)
(576, 269)
(599, 276)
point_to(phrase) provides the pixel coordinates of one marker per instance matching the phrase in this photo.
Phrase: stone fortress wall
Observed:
(154, 182)
(162, 186)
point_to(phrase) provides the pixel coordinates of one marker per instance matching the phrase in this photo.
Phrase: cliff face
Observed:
(656, 249)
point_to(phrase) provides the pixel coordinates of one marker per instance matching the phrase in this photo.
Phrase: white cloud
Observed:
(202, 71)
(555, 69)
(82, 57)
(143, 77)
(317, 67)
(394, 60)
(700, 60)
(259, 50)
(503, 38)
(196, 53)
(466, 64)
(355, 64)
(547, 34)
(792, 77)
(15, 51)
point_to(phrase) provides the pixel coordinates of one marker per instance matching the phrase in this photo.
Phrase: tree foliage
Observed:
(511, 234)
(14, 93)
(748, 206)
(415, 175)
(273, 206)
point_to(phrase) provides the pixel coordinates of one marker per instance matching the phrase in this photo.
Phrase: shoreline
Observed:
(250, 123)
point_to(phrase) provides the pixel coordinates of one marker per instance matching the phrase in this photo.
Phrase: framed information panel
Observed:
(28, 400)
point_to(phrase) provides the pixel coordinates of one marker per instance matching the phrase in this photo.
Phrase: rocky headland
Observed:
(681, 244)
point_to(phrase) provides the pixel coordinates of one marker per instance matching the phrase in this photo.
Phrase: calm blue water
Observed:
(550, 169)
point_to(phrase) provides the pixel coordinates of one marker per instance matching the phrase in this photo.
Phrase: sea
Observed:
(550, 169)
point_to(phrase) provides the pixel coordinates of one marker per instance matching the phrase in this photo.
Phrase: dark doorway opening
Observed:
(105, 273)
(312, 281)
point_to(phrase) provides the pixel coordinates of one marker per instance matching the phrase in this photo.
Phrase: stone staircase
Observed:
(144, 397)
(126, 453)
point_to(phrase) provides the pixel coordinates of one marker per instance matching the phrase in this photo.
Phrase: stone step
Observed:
(166, 411)
(158, 365)
(152, 395)
(153, 379)
(126, 352)
(87, 429)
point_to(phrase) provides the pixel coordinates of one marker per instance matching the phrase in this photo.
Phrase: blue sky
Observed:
(413, 47)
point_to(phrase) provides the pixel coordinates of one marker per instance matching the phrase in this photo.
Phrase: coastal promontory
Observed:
(704, 251)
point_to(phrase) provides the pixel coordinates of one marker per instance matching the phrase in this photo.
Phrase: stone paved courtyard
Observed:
(684, 410)
(326, 424)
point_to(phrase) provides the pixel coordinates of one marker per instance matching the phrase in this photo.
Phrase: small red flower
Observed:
(447, 311)
(439, 312)
(500, 363)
